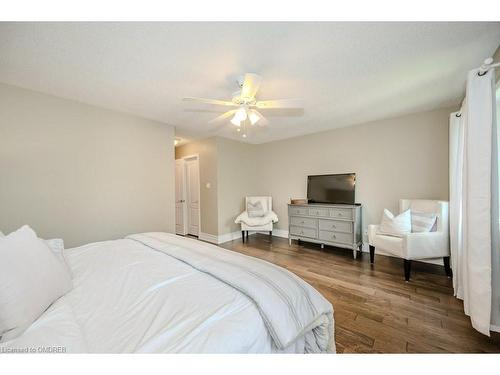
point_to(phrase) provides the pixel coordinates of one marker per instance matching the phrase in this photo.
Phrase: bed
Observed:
(162, 293)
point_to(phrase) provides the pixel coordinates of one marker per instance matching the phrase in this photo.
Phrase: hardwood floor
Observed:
(376, 311)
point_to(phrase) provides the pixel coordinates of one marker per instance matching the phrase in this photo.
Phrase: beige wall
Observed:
(404, 157)
(80, 172)
(237, 177)
(206, 149)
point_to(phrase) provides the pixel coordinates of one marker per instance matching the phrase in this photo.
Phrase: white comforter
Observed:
(130, 295)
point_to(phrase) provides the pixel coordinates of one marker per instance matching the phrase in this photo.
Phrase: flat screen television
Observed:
(331, 188)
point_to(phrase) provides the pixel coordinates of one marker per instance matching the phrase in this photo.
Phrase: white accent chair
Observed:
(413, 246)
(257, 224)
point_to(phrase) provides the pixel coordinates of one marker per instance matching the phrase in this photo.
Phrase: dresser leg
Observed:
(322, 246)
(355, 253)
(289, 242)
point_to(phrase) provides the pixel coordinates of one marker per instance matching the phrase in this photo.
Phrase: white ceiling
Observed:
(346, 73)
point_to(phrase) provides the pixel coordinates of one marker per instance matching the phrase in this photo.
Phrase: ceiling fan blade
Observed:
(251, 84)
(224, 116)
(280, 103)
(210, 101)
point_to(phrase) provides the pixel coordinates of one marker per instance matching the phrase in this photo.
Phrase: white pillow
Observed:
(422, 221)
(31, 279)
(57, 247)
(255, 209)
(396, 226)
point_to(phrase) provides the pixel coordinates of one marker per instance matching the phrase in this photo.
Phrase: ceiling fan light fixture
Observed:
(253, 117)
(239, 116)
(235, 122)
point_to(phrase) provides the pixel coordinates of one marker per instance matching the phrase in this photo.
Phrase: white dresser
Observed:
(326, 224)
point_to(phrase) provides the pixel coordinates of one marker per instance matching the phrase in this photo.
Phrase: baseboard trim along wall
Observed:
(212, 238)
(207, 237)
(235, 236)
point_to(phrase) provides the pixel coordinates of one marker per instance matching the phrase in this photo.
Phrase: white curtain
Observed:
(456, 148)
(473, 196)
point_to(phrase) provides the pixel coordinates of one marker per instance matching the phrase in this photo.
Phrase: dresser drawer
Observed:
(298, 211)
(341, 213)
(335, 225)
(319, 212)
(304, 222)
(303, 232)
(335, 236)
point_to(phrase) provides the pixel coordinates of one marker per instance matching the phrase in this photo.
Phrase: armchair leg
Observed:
(372, 254)
(247, 236)
(243, 236)
(447, 268)
(407, 269)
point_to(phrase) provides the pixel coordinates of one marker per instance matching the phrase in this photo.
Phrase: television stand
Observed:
(326, 224)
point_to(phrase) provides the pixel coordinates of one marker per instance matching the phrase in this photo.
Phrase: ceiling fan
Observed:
(246, 104)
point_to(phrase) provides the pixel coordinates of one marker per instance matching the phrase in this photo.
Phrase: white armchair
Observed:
(434, 244)
(261, 223)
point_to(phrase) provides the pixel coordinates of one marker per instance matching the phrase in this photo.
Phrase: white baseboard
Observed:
(208, 237)
(280, 233)
(237, 235)
(212, 238)
(494, 328)
(228, 237)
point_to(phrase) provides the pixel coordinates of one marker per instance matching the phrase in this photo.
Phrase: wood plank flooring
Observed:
(376, 311)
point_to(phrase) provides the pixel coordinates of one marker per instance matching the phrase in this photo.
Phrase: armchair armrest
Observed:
(425, 245)
(241, 217)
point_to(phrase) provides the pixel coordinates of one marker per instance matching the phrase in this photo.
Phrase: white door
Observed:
(180, 198)
(193, 195)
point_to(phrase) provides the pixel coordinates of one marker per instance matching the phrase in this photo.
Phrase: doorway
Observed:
(187, 196)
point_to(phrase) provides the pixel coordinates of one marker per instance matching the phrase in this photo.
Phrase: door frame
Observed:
(186, 221)
(184, 194)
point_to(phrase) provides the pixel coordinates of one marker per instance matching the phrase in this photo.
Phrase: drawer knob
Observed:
(317, 212)
(333, 226)
(302, 222)
(340, 213)
(334, 236)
